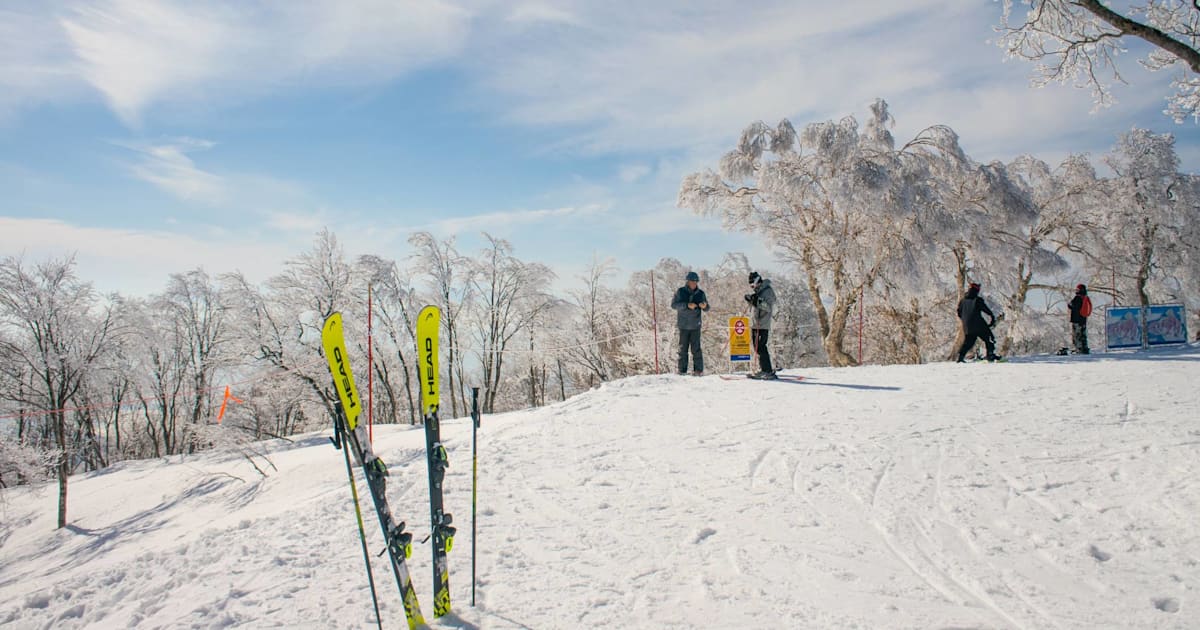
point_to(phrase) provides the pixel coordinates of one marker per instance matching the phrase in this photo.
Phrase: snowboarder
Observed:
(762, 301)
(689, 302)
(970, 312)
(1081, 309)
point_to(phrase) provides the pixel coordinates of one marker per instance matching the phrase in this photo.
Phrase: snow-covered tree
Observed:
(448, 275)
(395, 311)
(1149, 218)
(511, 295)
(588, 343)
(1063, 222)
(1078, 41)
(58, 329)
(840, 203)
(197, 306)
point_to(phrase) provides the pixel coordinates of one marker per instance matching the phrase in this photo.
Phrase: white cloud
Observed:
(640, 77)
(650, 76)
(668, 219)
(168, 167)
(139, 261)
(630, 173)
(141, 53)
(502, 221)
(541, 13)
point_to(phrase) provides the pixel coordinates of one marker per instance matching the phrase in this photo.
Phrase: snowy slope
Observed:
(1047, 493)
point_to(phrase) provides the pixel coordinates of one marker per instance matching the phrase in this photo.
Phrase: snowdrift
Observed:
(1044, 493)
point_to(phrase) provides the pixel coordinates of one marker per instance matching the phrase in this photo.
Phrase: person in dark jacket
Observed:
(762, 301)
(689, 302)
(971, 310)
(1079, 319)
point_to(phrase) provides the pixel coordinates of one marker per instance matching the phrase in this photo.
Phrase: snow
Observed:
(1053, 492)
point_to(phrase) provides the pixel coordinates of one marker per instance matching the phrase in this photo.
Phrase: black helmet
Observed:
(1081, 289)
(692, 276)
(755, 278)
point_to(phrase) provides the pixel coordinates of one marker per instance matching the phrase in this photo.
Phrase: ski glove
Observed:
(752, 298)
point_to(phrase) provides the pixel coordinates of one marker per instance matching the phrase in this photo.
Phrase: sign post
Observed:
(739, 340)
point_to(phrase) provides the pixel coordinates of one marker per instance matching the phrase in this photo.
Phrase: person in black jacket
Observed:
(762, 301)
(971, 311)
(1081, 307)
(689, 302)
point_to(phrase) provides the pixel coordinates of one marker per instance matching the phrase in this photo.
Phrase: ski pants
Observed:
(690, 340)
(759, 337)
(989, 341)
(1079, 338)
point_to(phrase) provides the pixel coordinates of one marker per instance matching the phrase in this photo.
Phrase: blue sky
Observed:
(154, 136)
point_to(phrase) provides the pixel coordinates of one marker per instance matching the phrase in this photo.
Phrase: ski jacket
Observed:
(764, 306)
(688, 318)
(971, 310)
(1076, 307)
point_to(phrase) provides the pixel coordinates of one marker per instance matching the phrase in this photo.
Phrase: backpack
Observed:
(1085, 307)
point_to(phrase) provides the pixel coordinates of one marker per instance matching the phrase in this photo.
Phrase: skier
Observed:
(689, 302)
(1081, 309)
(762, 300)
(970, 312)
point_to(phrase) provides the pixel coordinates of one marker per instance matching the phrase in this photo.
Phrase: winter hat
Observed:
(755, 278)
(1081, 289)
(692, 276)
(974, 286)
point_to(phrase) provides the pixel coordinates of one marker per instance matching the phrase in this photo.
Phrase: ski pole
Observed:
(339, 443)
(474, 479)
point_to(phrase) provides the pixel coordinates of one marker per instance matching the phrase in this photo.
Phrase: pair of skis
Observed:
(350, 435)
(794, 378)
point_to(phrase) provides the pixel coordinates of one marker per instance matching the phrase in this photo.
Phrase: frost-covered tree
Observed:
(196, 303)
(395, 311)
(448, 275)
(511, 295)
(839, 202)
(1078, 41)
(58, 329)
(1150, 214)
(279, 325)
(1064, 220)
(588, 343)
(23, 463)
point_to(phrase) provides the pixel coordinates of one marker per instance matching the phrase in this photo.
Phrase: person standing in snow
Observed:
(762, 301)
(689, 302)
(970, 311)
(1081, 309)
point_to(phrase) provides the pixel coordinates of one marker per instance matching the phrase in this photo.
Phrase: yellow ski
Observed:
(428, 323)
(349, 433)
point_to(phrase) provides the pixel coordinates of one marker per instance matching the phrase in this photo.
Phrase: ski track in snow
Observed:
(1028, 494)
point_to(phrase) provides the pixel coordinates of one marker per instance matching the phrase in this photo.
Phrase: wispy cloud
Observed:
(638, 76)
(629, 76)
(504, 220)
(35, 60)
(630, 173)
(541, 13)
(141, 53)
(138, 261)
(167, 166)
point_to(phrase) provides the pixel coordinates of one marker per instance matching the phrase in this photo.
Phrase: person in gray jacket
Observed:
(762, 301)
(689, 302)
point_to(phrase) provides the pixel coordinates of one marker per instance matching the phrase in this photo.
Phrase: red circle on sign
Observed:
(739, 327)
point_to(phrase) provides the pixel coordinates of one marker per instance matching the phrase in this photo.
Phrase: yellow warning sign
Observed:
(739, 339)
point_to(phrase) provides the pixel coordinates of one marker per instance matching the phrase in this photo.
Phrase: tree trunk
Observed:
(960, 277)
(64, 465)
(562, 385)
(834, 342)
